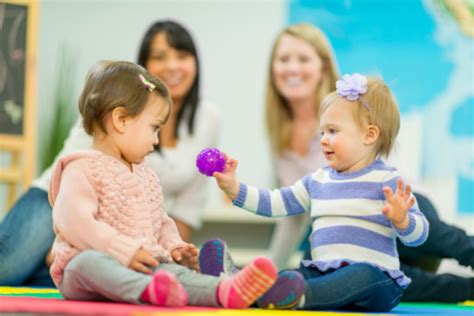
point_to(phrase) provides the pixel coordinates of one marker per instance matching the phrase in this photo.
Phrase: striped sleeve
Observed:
(417, 231)
(281, 202)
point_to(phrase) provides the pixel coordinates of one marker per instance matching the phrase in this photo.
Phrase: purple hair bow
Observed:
(352, 87)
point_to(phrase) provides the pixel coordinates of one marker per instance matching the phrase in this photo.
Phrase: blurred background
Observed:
(424, 50)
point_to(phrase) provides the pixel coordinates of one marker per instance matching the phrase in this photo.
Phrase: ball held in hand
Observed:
(210, 160)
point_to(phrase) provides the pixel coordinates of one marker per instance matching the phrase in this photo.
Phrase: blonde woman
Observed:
(302, 72)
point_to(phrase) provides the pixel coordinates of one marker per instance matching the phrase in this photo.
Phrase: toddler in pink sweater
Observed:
(114, 240)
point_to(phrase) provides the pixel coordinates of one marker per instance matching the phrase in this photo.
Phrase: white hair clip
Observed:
(148, 85)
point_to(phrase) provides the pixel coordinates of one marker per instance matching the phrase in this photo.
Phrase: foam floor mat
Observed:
(49, 301)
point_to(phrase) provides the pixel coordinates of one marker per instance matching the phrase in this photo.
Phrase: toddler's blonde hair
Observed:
(382, 112)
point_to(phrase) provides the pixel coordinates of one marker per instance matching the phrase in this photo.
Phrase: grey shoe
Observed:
(215, 259)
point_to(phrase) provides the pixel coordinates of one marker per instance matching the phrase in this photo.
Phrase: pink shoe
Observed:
(248, 285)
(164, 290)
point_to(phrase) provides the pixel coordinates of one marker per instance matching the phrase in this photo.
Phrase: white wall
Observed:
(233, 37)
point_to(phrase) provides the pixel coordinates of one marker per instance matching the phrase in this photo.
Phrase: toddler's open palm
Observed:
(186, 255)
(397, 204)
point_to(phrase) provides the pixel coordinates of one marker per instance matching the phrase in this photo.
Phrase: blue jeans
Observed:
(26, 235)
(420, 263)
(357, 287)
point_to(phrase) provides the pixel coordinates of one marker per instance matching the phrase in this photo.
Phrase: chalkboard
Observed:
(18, 83)
(13, 23)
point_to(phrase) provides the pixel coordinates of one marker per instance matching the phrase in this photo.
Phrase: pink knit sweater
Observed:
(98, 203)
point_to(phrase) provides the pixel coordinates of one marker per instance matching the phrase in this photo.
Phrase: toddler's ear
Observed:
(119, 119)
(372, 133)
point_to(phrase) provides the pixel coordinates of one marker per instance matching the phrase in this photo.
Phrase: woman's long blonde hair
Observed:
(277, 111)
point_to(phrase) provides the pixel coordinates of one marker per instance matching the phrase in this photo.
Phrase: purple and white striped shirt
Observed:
(349, 226)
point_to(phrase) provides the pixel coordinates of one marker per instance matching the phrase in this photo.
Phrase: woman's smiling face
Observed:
(177, 68)
(296, 69)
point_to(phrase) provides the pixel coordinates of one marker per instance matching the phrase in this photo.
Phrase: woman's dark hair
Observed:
(180, 39)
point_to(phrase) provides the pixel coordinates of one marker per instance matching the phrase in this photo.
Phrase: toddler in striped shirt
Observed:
(359, 206)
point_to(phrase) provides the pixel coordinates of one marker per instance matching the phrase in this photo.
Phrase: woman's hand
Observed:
(397, 205)
(226, 180)
(186, 256)
(143, 261)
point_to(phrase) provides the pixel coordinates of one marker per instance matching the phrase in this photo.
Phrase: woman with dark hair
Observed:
(168, 52)
(165, 42)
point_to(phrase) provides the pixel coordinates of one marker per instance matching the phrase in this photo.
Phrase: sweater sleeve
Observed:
(169, 236)
(417, 231)
(281, 202)
(74, 217)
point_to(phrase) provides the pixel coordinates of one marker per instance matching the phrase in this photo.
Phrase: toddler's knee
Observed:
(382, 302)
(86, 260)
(383, 294)
(174, 268)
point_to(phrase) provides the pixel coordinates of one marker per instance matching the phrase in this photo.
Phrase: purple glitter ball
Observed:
(210, 160)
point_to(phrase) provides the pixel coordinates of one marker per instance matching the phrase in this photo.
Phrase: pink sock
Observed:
(248, 285)
(164, 290)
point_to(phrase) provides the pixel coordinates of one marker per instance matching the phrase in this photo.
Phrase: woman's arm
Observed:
(77, 140)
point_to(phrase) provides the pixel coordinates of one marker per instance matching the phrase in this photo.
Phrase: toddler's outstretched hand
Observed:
(226, 180)
(187, 256)
(397, 205)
